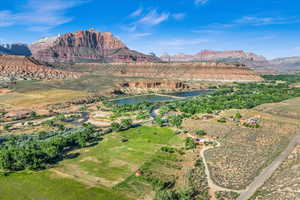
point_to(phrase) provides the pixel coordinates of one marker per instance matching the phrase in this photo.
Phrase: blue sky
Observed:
(266, 27)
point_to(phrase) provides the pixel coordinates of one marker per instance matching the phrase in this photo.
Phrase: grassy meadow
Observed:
(96, 172)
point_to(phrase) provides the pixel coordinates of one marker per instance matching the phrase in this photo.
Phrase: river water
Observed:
(157, 98)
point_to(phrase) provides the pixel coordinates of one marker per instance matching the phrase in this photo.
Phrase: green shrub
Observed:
(222, 120)
(190, 143)
(201, 132)
(168, 149)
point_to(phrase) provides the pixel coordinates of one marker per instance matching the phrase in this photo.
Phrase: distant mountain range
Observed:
(93, 46)
(208, 55)
(257, 62)
(81, 46)
(15, 49)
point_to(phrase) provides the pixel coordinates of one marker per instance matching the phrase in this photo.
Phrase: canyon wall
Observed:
(208, 71)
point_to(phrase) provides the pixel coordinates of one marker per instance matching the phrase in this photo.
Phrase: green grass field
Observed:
(95, 172)
(43, 185)
(113, 161)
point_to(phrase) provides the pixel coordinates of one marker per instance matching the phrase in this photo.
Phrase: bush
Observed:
(7, 127)
(201, 133)
(168, 149)
(237, 116)
(60, 117)
(115, 126)
(48, 123)
(190, 143)
(126, 123)
(124, 139)
(222, 120)
(175, 120)
(159, 121)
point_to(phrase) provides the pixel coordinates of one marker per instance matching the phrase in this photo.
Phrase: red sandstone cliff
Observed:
(85, 46)
(20, 67)
(209, 71)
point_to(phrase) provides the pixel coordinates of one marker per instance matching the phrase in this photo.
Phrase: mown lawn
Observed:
(44, 186)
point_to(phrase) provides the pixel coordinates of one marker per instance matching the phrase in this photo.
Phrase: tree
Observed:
(190, 143)
(237, 116)
(175, 120)
(7, 127)
(61, 117)
(159, 121)
(48, 122)
(115, 126)
(126, 123)
(33, 114)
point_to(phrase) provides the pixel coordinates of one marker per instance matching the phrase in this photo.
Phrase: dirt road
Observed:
(267, 172)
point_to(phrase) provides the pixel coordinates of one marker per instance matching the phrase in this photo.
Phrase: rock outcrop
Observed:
(21, 67)
(208, 71)
(15, 49)
(145, 86)
(86, 46)
(159, 84)
(223, 56)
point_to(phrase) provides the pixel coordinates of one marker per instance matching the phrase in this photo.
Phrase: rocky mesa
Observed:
(86, 46)
(193, 71)
(21, 67)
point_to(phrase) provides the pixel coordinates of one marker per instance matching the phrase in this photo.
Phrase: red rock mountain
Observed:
(86, 46)
(208, 55)
(20, 67)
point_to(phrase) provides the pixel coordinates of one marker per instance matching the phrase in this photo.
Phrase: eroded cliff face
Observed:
(208, 71)
(20, 67)
(141, 86)
(85, 46)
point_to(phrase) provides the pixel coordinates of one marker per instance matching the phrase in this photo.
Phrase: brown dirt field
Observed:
(285, 182)
(244, 152)
(4, 91)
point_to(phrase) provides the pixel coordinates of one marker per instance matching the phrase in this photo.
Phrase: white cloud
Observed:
(252, 21)
(260, 21)
(6, 18)
(153, 18)
(40, 15)
(184, 42)
(137, 13)
(207, 31)
(200, 2)
(141, 35)
(129, 28)
(179, 16)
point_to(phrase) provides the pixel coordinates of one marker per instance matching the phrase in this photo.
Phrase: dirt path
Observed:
(267, 172)
(213, 187)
